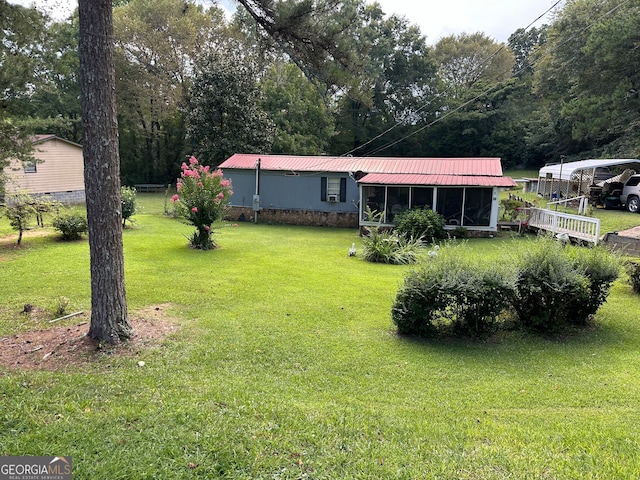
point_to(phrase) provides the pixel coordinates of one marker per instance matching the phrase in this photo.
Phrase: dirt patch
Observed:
(67, 346)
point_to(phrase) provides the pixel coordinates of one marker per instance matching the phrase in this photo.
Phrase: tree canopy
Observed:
(328, 76)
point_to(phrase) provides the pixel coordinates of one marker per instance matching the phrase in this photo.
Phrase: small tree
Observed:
(19, 210)
(201, 199)
(129, 203)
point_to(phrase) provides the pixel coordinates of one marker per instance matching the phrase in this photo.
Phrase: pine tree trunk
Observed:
(109, 317)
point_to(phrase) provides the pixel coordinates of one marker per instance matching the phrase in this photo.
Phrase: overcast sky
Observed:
(496, 18)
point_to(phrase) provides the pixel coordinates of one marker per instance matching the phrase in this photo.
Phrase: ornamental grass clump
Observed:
(202, 199)
(381, 245)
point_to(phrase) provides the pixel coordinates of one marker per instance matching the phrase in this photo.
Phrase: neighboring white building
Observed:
(59, 174)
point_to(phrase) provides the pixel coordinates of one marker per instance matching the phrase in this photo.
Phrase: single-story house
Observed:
(58, 173)
(572, 179)
(339, 191)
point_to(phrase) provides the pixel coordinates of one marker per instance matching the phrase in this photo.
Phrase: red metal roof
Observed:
(489, 167)
(452, 180)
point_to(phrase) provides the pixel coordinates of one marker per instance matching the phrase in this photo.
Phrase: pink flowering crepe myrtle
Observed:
(202, 198)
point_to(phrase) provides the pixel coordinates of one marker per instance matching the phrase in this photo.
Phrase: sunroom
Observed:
(464, 201)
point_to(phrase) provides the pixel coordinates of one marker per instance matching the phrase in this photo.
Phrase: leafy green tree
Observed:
(316, 34)
(303, 123)
(22, 35)
(225, 114)
(587, 74)
(523, 44)
(56, 100)
(394, 91)
(466, 60)
(158, 46)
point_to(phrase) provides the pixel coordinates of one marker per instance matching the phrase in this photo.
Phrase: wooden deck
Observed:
(577, 227)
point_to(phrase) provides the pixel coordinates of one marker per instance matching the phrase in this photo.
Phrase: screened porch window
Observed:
(449, 205)
(374, 200)
(421, 197)
(477, 207)
(397, 201)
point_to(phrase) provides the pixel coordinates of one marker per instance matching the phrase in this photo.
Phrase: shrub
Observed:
(420, 223)
(71, 225)
(129, 203)
(601, 268)
(633, 270)
(558, 285)
(452, 292)
(202, 199)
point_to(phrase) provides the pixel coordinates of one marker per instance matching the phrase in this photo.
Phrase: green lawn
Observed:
(287, 366)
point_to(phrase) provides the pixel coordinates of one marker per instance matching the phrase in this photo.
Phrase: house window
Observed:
(333, 189)
(29, 166)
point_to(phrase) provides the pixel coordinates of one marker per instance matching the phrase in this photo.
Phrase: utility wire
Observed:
(482, 63)
(487, 91)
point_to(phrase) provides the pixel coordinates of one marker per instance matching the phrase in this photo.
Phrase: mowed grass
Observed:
(287, 366)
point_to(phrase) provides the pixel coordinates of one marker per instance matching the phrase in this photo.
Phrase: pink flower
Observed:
(225, 183)
(235, 224)
(175, 198)
(193, 160)
(184, 166)
(179, 186)
(207, 228)
(200, 184)
(206, 169)
(194, 209)
(216, 201)
(221, 195)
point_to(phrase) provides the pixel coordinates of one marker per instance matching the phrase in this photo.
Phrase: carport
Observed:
(573, 179)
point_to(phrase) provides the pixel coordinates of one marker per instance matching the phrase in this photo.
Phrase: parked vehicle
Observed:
(630, 196)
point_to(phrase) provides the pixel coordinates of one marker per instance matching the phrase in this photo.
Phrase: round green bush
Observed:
(71, 225)
(420, 223)
(452, 293)
(561, 285)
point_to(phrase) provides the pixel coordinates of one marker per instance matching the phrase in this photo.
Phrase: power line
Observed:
(487, 91)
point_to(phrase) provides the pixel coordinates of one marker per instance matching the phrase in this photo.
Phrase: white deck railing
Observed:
(576, 226)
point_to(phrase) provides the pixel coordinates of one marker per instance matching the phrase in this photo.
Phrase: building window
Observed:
(333, 189)
(29, 166)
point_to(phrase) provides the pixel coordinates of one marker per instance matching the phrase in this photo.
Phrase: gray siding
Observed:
(290, 192)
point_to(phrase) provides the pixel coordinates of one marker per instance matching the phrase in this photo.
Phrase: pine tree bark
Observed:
(109, 317)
